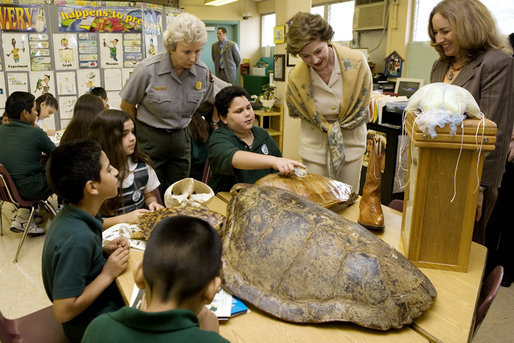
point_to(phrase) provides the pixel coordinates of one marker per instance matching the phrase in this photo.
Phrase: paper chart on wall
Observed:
(17, 82)
(125, 75)
(3, 91)
(88, 50)
(132, 54)
(111, 51)
(40, 51)
(16, 51)
(112, 79)
(114, 99)
(88, 79)
(42, 82)
(66, 83)
(65, 51)
(66, 104)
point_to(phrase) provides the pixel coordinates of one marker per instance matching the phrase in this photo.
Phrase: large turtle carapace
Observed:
(303, 263)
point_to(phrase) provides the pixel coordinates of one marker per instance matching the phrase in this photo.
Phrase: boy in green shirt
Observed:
(238, 150)
(180, 274)
(22, 146)
(77, 272)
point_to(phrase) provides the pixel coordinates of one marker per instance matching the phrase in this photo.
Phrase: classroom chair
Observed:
(9, 193)
(487, 294)
(37, 327)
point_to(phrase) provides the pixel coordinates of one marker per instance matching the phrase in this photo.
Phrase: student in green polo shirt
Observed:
(180, 273)
(238, 150)
(78, 274)
(22, 146)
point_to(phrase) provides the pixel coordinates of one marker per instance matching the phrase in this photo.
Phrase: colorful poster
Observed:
(111, 50)
(66, 83)
(40, 51)
(65, 51)
(112, 80)
(22, 18)
(3, 91)
(150, 45)
(88, 50)
(66, 104)
(88, 79)
(42, 82)
(16, 51)
(99, 19)
(17, 82)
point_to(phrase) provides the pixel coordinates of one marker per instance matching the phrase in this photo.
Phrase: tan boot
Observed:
(371, 215)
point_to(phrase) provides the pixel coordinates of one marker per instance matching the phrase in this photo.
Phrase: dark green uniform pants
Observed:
(170, 151)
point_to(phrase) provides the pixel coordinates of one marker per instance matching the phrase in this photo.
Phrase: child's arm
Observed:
(68, 308)
(250, 161)
(129, 218)
(151, 202)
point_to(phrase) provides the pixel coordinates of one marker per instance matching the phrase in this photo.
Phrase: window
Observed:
(318, 10)
(340, 17)
(268, 23)
(503, 12)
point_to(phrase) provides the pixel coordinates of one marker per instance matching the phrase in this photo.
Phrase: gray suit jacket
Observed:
(490, 79)
(231, 59)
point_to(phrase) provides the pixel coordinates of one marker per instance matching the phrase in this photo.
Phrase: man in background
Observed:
(226, 57)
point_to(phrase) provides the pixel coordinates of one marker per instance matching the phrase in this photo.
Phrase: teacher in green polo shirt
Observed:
(162, 94)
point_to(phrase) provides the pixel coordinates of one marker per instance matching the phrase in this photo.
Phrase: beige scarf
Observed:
(357, 86)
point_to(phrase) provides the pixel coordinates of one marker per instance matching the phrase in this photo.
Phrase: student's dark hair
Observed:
(71, 166)
(107, 129)
(225, 96)
(99, 91)
(48, 99)
(199, 126)
(223, 29)
(17, 102)
(181, 257)
(86, 109)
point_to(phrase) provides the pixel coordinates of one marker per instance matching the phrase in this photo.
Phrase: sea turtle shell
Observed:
(303, 263)
(148, 221)
(320, 189)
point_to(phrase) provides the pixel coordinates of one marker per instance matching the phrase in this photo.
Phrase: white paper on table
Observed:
(221, 305)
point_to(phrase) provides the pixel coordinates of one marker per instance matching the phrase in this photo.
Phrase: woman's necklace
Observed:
(453, 71)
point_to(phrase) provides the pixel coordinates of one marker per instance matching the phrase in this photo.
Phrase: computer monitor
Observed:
(407, 87)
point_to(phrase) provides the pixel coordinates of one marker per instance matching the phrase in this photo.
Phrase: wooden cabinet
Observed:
(273, 122)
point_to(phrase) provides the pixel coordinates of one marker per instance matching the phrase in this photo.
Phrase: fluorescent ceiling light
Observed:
(217, 2)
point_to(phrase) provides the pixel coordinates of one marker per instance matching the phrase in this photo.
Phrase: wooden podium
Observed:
(437, 231)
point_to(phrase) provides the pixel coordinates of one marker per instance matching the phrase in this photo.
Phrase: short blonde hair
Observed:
(472, 24)
(306, 28)
(184, 28)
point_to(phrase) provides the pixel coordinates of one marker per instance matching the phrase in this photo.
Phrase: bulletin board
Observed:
(67, 50)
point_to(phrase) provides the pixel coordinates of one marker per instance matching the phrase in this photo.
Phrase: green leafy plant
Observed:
(268, 92)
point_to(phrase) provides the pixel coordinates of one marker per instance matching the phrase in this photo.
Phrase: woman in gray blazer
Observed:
(464, 34)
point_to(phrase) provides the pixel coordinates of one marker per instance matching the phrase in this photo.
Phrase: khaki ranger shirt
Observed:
(163, 99)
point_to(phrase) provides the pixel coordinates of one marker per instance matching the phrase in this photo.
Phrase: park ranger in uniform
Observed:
(162, 94)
